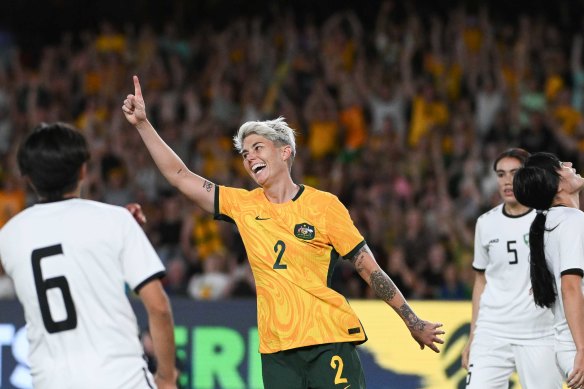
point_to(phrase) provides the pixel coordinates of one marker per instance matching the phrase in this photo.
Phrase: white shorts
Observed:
(565, 360)
(492, 362)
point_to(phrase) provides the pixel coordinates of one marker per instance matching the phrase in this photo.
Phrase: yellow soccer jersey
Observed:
(292, 248)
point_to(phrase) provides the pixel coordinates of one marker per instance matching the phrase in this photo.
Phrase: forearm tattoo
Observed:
(412, 321)
(382, 285)
(208, 185)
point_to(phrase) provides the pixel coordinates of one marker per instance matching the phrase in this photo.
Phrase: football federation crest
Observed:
(304, 231)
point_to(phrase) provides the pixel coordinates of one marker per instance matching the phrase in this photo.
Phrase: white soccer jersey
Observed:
(70, 261)
(507, 309)
(564, 250)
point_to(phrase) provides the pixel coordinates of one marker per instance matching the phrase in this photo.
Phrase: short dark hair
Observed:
(535, 185)
(52, 157)
(519, 154)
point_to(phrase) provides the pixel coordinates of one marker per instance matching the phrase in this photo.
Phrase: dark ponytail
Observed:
(535, 186)
(542, 280)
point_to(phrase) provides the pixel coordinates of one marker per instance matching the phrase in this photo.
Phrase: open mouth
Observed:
(258, 167)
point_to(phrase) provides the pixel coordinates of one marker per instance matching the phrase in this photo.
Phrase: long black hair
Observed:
(51, 157)
(535, 185)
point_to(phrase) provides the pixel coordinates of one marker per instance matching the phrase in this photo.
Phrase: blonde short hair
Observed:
(276, 130)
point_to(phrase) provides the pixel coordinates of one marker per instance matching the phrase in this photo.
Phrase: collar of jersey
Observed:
(57, 200)
(516, 216)
(300, 190)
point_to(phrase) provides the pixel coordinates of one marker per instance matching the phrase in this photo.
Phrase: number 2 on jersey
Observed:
(43, 285)
(281, 246)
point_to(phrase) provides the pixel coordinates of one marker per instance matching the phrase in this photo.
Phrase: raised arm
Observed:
(162, 331)
(425, 333)
(195, 187)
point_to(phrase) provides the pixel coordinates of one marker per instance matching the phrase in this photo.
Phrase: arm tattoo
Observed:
(382, 285)
(208, 185)
(412, 321)
(358, 257)
(179, 171)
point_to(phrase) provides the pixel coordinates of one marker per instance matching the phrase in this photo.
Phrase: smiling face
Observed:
(263, 160)
(505, 171)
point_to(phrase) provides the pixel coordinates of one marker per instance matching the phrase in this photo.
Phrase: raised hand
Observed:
(134, 107)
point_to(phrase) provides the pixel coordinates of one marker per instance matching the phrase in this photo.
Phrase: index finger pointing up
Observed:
(137, 89)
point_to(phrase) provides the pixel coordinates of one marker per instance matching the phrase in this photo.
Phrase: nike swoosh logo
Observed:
(262, 218)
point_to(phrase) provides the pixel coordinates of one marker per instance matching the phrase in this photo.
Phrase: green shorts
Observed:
(324, 366)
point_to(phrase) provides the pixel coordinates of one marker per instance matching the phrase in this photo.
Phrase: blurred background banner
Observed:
(393, 359)
(217, 345)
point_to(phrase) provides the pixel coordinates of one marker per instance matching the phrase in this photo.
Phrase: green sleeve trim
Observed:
(217, 215)
(332, 263)
(352, 253)
(216, 202)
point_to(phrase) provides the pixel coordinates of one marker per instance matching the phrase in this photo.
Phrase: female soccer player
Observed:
(293, 235)
(556, 242)
(508, 332)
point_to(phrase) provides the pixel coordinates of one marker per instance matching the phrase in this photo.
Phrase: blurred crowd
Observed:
(400, 116)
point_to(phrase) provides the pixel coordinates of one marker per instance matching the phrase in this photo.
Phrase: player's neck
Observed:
(66, 196)
(515, 209)
(281, 192)
(567, 200)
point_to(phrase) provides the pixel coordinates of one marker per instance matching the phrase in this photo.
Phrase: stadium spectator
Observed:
(166, 232)
(12, 199)
(399, 272)
(471, 59)
(213, 283)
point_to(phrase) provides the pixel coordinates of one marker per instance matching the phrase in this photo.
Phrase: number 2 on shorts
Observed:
(337, 364)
